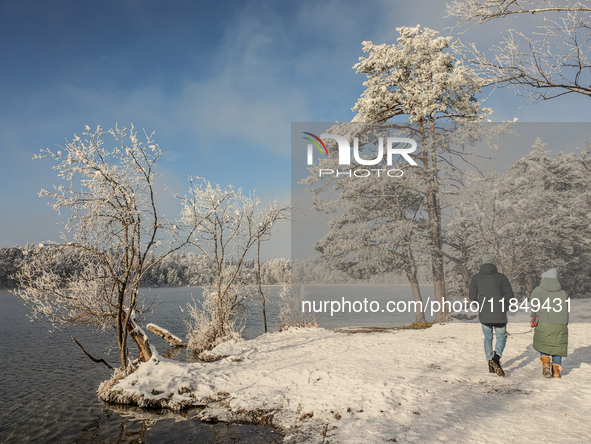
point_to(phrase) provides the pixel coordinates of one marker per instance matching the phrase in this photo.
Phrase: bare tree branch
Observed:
(549, 62)
(98, 361)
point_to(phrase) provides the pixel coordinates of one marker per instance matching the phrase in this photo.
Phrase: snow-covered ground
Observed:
(427, 385)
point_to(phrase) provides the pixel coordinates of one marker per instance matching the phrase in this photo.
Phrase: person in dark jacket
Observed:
(493, 292)
(549, 303)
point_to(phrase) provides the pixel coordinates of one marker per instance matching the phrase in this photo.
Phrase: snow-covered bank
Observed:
(407, 385)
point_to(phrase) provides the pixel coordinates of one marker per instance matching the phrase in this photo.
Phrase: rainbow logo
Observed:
(316, 143)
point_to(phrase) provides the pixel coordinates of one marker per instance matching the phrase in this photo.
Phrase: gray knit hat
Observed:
(551, 273)
(488, 259)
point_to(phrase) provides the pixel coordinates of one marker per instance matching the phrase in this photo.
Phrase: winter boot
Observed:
(495, 365)
(490, 367)
(547, 367)
(556, 369)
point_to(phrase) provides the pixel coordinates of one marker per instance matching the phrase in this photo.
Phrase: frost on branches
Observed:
(548, 62)
(533, 217)
(111, 227)
(543, 205)
(416, 78)
(229, 225)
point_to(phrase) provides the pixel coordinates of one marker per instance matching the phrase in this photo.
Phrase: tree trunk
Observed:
(465, 281)
(259, 282)
(416, 294)
(141, 340)
(121, 332)
(463, 250)
(435, 235)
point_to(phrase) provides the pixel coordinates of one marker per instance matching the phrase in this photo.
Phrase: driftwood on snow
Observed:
(166, 335)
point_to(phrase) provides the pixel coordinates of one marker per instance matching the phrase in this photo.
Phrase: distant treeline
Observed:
(190, 269)
(176, 270)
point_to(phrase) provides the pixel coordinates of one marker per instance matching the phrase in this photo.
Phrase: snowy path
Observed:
(427, 385)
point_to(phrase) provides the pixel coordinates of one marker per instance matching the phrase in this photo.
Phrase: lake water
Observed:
(49, 387)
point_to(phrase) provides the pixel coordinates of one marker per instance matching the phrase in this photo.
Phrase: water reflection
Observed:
(174, 353)
(125, 425)
(132, 425)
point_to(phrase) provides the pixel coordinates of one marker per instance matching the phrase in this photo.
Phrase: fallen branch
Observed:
(166, 335)
(86, 353)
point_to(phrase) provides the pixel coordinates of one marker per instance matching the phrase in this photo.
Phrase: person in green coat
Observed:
(549, 302)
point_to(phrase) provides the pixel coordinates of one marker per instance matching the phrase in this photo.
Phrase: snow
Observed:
(427, 385)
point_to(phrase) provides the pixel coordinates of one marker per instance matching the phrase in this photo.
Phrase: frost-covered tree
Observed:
(544, 204)
(378, 231)
(419, 80)
(230, 224)
(10, 260)
(470, 230)
(263, 234)
(550, 61)
(276, 271)
(112, 225)
(533, 217)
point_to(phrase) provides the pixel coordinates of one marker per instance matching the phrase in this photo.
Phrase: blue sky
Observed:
(219, 83)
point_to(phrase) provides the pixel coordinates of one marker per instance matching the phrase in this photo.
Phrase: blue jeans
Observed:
(488, 340)
(555, 359)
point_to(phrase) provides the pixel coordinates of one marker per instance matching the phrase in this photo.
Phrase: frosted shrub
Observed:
(200, 328)
(214, 321)
(290, 309)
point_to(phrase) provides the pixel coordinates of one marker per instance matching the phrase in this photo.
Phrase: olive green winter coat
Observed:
(551, 333)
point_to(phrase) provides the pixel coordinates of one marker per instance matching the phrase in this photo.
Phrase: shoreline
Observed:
(316, 384)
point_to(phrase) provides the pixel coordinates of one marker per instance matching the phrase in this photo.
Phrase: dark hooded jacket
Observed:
(490, 285)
